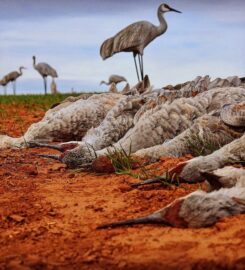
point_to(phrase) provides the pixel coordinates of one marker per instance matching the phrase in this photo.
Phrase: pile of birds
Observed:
(152, 123)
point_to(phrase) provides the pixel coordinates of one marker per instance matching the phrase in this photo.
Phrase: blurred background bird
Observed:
(44, 70)
(11, 77)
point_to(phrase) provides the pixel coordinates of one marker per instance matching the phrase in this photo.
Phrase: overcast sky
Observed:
(207, 38)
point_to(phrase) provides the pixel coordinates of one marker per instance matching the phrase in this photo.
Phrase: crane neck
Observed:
(163, 24)
(34, 62)
(103, 82)
(20, 73)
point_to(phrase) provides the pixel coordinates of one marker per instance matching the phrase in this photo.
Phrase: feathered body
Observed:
(12, 76)
(44, 69)
(134, 38)
(67, 121)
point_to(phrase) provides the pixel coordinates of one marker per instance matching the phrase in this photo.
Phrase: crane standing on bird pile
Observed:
(135, 37)
(11, 77)
(44, 70)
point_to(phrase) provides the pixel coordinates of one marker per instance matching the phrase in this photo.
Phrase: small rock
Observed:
(29, 169)
(52, 213)
(57, 167)
(16, 218)
(102, 165)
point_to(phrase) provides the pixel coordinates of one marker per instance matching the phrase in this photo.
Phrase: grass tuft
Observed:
(202, 147)
(122, 161)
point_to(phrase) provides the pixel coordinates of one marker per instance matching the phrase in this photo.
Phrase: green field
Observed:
(40, 101)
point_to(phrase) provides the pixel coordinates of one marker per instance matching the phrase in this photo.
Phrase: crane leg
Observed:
(45, 85)
(5, 90)
(136, 67)
(142, 63)
(140, 58)
(14, 88)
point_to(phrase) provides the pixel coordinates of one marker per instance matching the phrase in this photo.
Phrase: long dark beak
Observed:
(175, 10)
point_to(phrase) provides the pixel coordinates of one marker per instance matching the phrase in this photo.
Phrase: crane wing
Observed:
(11, 76)
(133, 38)
(46, 70)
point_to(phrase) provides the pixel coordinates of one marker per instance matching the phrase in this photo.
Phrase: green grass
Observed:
(124, 163)
(120, 159)
(38, 101)
(202, 147)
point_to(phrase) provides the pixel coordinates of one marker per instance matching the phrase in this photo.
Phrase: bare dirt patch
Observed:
(49, 214)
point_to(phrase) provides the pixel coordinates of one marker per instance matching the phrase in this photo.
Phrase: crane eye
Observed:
(167, 6)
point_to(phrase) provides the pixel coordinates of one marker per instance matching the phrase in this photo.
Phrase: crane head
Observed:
(102, 82)
(165, 8)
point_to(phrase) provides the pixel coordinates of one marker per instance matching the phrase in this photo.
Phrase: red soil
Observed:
(49, 214)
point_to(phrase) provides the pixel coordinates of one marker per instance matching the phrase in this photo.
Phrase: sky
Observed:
(206, 39)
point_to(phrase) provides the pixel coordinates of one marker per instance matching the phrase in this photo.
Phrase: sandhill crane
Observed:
(199, 208)
(135, 37)
(44, 70)
(12, 77)
(114, 79)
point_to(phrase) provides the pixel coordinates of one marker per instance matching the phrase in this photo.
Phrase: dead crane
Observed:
(44, 70)
(135, 37)
(11, 77)
(114, 79)
(199, 208)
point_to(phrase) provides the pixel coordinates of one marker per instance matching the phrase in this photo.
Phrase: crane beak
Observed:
(175, 10)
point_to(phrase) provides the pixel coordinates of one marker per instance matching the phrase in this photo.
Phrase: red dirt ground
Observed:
(49, 214)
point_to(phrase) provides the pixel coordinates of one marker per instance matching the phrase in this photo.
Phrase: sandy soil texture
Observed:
(49, 214)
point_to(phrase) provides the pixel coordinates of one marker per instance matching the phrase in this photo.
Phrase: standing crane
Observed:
(11, 77)
(44, 70)
(114, 79)
(135, 37)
